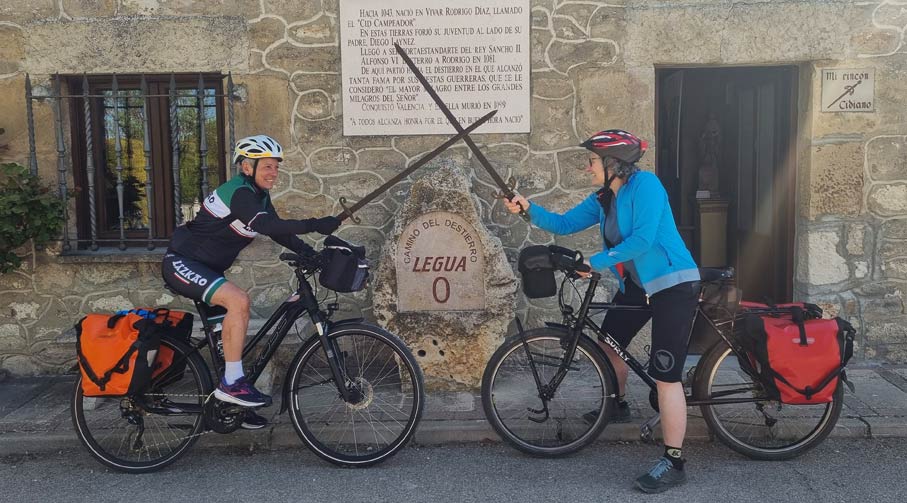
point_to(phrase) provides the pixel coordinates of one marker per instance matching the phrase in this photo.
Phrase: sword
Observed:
(463, 134)
(506, 189)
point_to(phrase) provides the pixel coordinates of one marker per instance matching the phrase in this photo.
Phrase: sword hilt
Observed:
(510, 194)
(347, 213)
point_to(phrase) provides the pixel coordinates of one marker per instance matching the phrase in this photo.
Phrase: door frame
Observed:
(789, 147)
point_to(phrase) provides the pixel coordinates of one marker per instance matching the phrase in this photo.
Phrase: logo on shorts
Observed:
(663, 361)
(184, 274)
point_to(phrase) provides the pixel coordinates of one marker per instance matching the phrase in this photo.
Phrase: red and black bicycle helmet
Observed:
(618, 144)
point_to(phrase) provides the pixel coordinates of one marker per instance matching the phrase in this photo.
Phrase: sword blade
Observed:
(348, 212)
(454, 122)
(505, 189)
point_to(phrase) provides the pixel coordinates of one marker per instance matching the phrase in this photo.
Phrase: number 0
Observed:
(434, 290)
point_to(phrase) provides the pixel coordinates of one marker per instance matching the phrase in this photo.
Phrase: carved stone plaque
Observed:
(440, 265)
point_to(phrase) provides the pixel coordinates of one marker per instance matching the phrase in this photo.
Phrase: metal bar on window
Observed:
(147, 148)
(61, 155)
(175, 148)
(32, 156)
(119, 153)
(202, 140)
(89, 164)
(232, 143)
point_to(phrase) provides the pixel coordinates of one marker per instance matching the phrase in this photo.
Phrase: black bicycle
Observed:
(355, 392)
(539, 383)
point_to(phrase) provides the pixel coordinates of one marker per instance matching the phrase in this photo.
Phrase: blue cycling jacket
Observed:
(647, 225)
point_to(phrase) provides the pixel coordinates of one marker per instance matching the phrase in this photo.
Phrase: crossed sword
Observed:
(462, 134)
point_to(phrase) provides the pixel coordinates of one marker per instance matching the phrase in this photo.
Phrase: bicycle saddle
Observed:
(716, 274)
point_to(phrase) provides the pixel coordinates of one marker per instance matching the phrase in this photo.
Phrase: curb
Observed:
(281, 435)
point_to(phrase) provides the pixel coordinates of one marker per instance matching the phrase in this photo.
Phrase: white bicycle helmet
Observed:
(257, 147)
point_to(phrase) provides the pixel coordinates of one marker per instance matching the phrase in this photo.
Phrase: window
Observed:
(124, 152)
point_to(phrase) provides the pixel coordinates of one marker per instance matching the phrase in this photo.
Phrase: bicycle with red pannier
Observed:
(769, 384)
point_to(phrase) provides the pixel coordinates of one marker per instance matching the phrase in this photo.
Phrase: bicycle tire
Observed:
(108, 426)
(370, 431)
(509, 391)
(764, 429)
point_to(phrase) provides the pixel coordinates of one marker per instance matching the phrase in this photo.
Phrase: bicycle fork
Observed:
(350, 393)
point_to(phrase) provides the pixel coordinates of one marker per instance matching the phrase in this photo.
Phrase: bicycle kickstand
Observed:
(647, 430)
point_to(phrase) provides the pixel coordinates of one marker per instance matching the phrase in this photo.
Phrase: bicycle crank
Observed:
(223, 417)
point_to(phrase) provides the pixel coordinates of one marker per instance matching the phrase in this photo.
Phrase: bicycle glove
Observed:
(326, 225)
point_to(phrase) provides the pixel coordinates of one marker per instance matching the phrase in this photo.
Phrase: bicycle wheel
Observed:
(146, 432)
(380, 420)
(511, 400)
(762, 429)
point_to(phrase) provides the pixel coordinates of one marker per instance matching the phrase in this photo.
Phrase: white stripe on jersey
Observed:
(241, 229)
(216, 206)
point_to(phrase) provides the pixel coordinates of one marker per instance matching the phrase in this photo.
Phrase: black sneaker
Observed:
(661, 477)
(242, 393)
(253, 421)
(619, 414)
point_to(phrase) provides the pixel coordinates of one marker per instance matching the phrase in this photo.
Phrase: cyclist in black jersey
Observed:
(202, 249)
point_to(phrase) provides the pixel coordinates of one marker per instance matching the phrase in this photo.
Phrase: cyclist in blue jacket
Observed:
(653, 266)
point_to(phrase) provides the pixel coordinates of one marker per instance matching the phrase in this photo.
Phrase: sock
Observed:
(673, 455)
(621, 400)
(232, 372)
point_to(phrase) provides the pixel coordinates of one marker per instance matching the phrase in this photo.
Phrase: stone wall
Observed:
(593, 66)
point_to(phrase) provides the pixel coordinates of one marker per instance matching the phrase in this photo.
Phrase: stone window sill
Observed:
(112, 255)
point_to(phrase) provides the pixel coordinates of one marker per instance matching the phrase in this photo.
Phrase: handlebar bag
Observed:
(345, 267)
(802, 358)
(537, 272)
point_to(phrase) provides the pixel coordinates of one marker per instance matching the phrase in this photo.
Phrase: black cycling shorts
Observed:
(190, 278)
(672, 313)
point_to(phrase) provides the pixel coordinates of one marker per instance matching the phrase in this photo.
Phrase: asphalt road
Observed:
(840, 470)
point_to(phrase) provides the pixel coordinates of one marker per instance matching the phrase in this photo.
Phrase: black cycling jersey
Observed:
(230, 218)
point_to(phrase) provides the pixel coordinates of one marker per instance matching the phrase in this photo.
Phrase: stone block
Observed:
(572, 166)
(266, 31)
(895, 268)
(571, 21)
(557, 116)
(868, 41)
(314, 104)
(333, 161)
(383, 162)
(597, 108)
(539, 41)
(89, 8)
(888, 329)
(247, 9)
(312, 134)
(551, 85)
(609, 23)
(292, 10)
(895, 228)
(322, 30)
(23, 11)
(856, 234)
(566, 56)
(266, 110)
(119, 45)
(887, 158)
(12, 49)
(290, 58)
(888, 200)
(836, 181)
(819, 262)
(451, 344)
(537, 174)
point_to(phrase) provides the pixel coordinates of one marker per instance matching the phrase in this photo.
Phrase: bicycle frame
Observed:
(581, 320)
(302, 301)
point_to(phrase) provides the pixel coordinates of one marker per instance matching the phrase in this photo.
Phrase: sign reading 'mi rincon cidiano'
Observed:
(848, 90)
(474, 53)
(440, 265)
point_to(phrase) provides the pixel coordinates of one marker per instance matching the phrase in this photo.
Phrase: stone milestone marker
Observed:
(443, 283)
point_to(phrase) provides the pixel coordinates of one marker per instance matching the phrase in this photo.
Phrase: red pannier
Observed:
(802, 356)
